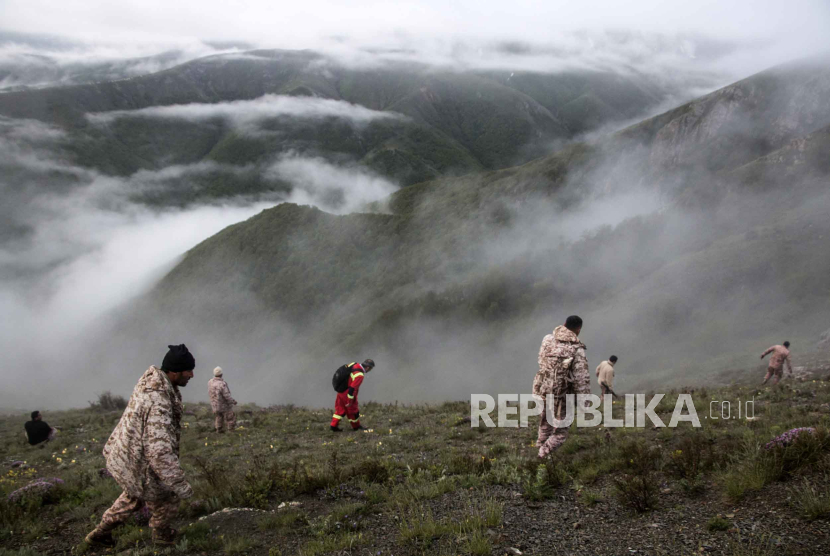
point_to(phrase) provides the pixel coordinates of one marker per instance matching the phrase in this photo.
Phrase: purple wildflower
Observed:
(787, 438)
(142, 516)
(36, 488)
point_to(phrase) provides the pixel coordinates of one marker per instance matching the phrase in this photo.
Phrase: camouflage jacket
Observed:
(563, 368)
(143, 451)
(220, 395)
(780, 355)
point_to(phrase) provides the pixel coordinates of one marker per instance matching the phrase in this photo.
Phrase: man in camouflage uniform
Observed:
(143, 452)
(221, 402)
(780, 356)
(563, 369)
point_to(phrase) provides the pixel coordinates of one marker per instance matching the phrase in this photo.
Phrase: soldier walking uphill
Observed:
(563, 369)
(143, 452)
(347, 380)
(221, 402)
(780, 356)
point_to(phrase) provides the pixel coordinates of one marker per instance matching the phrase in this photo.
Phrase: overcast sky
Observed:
(301, 23)
(774, 30)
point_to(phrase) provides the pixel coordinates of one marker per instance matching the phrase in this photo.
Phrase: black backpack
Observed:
(340, 380)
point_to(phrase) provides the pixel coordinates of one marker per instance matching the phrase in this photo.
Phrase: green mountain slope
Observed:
(454, 122)
(473, 270)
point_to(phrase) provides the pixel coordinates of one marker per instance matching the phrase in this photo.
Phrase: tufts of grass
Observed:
(717, 523)
(590, 497)
(232, 544)
(588, 475)
(420, 527)
(809, 502)
(333, 543)
(131, 536)
(277, 521)
(200, 538)
(752, 546)
(478, 544)
(25, 551)
(375, 494)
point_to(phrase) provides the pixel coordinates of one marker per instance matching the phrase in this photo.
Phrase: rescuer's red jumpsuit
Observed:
(346, 403)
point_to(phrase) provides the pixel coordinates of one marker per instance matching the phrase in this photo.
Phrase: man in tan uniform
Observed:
(780, 356)
(143, 451)
(221, 402)
(563, 369)
(605, 375)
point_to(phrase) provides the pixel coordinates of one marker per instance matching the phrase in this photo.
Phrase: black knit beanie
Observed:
(178, 360)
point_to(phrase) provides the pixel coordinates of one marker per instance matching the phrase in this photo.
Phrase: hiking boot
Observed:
(335, 429)
(359, 428)
(100, 538)
(164, 536)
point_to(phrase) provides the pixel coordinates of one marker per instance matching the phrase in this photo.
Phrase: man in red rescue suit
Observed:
(346, 403)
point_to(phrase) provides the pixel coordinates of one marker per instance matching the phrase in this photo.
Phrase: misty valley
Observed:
(250, 219)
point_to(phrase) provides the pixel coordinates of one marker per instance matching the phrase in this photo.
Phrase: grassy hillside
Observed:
(422, 481)
(726, 266)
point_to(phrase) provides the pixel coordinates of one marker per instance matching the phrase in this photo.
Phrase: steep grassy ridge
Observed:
(727, 264)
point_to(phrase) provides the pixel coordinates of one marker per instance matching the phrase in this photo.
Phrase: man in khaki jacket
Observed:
(143, 451)
(605, 375)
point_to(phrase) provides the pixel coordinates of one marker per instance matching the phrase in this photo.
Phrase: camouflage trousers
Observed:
(550, 438)
(226, 419)
(162, 512)
(777, 373)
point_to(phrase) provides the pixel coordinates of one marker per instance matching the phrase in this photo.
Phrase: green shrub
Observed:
(804, 452)
(638, 485)
(372, 469)
(590, 497)
(717, 523)
(687, 461)
(107, 401)
(542, 484)
(468, 464)
(693, 486)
